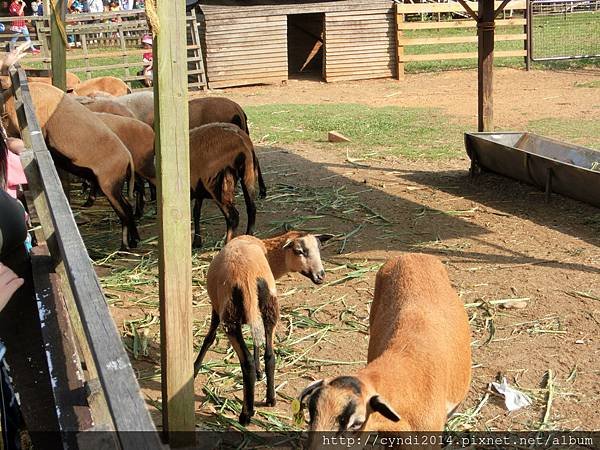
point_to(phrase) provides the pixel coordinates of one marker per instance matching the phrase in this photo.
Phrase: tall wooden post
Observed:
(175, 260)
(58, 50)
(58, 46)
(485, 32)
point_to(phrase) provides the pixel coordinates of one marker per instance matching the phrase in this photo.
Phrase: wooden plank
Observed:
(240, 72)
(114, 368)
(258, 75)
(218, 84)
(360, 18)
(250, 50)
(456, 24)
(399, 39)
(216, 12)
(459, 39)
(337, 40)
(41, 213)
(388, 69)
(246, 26)
(174, 212)
(256, 60)
(425, 8)
(369, 50)
(66, 374)
(463, 55)
(366, 76)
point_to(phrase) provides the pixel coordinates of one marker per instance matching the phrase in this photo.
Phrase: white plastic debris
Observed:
(513, 399)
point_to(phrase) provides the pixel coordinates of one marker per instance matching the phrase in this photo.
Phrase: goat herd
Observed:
(419, 355)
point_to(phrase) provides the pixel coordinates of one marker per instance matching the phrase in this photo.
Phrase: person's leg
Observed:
(25, 32)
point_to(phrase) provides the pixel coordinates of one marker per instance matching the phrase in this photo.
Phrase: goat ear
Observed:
(324, 237)
(309, 390)
(382, 407)
(288, 243)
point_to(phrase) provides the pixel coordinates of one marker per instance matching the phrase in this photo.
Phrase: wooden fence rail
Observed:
(106, 44)
(404, 11)
(112, 391)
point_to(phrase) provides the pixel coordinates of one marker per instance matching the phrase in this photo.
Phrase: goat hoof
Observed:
(271, 402)
(262, 194)
(133, 243)
(245, 418)
(88, 204)
(259, 375)
(197, 243)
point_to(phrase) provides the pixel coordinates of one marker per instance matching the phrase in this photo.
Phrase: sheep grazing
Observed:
(220, 154)
(203, 110)
(419, 357)
(104, 105)
(241, 286)
(110, 85)
(96, 154)
(139, 140)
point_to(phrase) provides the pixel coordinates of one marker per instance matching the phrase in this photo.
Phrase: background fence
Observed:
(106, 44)
(430, 33)
(565, 29)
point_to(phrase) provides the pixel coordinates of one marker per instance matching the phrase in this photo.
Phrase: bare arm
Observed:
(9, 283)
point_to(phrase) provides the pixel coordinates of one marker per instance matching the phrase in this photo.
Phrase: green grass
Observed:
(577, 131)
(588, 84)
(411, 132)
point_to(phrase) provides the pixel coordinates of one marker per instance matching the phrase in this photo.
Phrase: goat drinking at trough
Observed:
(241, 286)
(419, 357)
(96, 154)
(203, 110)
(220, 154)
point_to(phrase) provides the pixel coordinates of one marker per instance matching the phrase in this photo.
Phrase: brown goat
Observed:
(93, 152)
(203, 110)
(220, 154)
(241, 286)
(111, 85)
(419, 357)
(139, 140)
(72, 81)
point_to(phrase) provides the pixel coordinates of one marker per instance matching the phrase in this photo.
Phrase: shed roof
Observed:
(263, 7)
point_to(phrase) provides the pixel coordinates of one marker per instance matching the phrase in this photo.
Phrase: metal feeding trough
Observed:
(567, 169)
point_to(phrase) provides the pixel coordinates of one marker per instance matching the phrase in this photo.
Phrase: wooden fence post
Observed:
(399, 43)
(58, 45)
(175, 266)
(485, 72)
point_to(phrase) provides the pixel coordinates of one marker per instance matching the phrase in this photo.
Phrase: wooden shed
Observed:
(269, 41)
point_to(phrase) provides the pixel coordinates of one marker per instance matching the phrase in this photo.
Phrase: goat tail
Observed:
(131, 179)
(246, 301)
(249, 173)
(258, 331)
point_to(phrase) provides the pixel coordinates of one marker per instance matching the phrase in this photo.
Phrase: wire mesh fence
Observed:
(564, 29)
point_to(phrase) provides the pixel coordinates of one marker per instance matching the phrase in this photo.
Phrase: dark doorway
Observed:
(305, 45)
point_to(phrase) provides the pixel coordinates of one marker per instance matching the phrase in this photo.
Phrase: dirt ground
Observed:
(497, 237)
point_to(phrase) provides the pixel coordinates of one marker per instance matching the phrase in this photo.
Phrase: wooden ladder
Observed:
(196, 72)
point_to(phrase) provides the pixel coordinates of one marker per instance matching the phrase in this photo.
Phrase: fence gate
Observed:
(564, 29)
